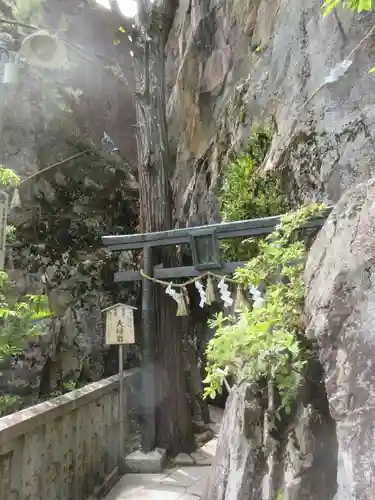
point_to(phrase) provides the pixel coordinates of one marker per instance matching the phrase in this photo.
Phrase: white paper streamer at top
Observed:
(172, 293)
(225, 293)
(202, 293)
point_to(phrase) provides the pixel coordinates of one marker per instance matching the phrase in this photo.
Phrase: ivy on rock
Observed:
(248, 194)
(266, 343)
(20, 320)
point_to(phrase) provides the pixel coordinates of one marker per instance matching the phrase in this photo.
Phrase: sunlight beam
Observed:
(104, 3)
(128, 8)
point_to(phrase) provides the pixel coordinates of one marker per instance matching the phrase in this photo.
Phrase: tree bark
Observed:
(173, 414)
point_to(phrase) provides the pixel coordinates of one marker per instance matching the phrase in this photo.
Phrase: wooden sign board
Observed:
(119, 324)
(3, 226)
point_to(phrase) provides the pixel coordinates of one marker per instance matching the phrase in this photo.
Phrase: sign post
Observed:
(119, 331)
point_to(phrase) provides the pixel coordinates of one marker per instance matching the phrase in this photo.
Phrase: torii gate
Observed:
(204, 243)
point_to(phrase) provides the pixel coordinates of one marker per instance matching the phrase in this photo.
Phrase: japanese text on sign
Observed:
(120, 325)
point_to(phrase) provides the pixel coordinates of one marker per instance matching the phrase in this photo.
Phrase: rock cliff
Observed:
(340, 310)
(233, 64)
(57, 249)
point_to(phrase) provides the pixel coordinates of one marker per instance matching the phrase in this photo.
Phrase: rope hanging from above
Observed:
(207, 293)
(190, 281)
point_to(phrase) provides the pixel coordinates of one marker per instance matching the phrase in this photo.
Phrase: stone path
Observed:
(185, 479)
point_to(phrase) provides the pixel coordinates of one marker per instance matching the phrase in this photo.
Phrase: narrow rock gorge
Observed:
(230, 66)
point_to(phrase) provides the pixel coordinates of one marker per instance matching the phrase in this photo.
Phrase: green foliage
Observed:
(9, 404)
(280, 495)
(19, 321)
(69, 385)
(354, 5)
(262, 343)
(53, 394)
(65, 387)
(11, 236)
(8, 179)
(245, 194)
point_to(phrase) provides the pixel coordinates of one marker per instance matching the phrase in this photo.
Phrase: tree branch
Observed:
(50, 167)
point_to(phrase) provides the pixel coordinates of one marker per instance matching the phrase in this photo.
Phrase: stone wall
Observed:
(262, 458)
(63, 448)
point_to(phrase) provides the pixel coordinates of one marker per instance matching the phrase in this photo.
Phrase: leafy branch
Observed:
(247, 194)
(353, 5)
(264, 342)
(20, 320)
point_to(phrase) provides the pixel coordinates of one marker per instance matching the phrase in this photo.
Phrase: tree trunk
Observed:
(173, 414)
(194, 372)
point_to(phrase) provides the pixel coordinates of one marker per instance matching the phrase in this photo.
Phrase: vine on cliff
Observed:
(246, 194)
(264, 342)
(19, 320)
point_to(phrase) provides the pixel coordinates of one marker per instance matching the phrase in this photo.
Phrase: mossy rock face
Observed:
(57, 247)
(248, 193)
